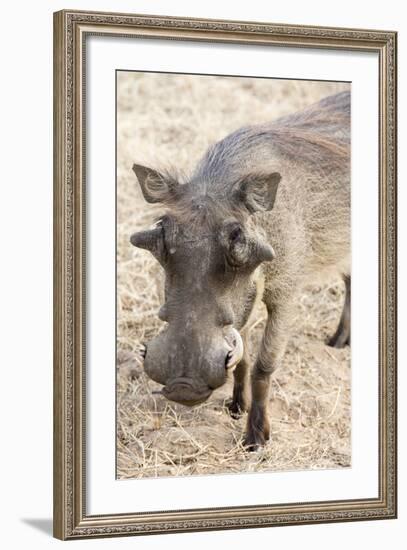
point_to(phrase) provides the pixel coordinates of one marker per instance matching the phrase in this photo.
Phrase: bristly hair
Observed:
(200, 213)
(319, 134)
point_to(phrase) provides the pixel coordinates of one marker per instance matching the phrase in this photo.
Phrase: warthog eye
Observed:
(243, 251)
(235, 243)
(235, 234)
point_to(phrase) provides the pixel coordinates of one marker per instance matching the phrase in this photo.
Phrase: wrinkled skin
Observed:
(210, 264)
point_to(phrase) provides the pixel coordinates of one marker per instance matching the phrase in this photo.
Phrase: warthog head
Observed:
(209, 252)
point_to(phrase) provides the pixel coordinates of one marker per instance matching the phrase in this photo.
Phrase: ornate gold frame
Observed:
(70, 518)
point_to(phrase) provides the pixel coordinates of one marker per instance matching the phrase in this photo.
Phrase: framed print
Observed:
(225, 274)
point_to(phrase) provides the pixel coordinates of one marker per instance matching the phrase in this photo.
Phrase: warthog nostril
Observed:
(181, 382)
(186, 391)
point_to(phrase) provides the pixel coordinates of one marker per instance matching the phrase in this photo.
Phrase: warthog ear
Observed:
(155, 186)
(258, 191)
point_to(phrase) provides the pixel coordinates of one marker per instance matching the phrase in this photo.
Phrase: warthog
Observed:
(266, 210)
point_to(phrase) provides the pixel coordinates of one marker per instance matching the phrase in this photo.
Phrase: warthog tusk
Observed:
(236, 353)
(143, 350)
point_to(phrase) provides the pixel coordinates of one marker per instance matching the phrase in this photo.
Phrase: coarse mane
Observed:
(319, 134)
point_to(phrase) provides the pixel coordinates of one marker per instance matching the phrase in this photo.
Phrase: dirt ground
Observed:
(170, 120)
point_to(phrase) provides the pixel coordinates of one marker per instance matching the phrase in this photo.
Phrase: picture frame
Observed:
(72, 30)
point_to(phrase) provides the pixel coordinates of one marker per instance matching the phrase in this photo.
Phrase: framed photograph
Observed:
(225, 274)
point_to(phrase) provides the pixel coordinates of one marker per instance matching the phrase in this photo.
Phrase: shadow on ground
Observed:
(41, 524)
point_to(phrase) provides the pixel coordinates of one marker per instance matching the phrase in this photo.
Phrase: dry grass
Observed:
(169, 119)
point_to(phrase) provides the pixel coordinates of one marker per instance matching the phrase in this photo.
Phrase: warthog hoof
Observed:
(258, 429)
(339, 340)
(236, 408)
(254, 441)
(238, 404)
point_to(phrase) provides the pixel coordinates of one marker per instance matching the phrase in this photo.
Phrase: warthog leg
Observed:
(240, 398)
(342, 334)
(271, 352)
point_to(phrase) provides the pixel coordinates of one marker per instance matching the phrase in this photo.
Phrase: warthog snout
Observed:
(186, 391)
(191, 368)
